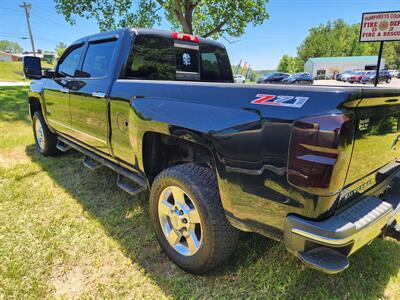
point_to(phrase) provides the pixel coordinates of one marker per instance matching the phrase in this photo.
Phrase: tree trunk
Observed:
(186, 26)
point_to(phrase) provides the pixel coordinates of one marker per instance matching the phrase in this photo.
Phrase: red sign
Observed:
(381, 26)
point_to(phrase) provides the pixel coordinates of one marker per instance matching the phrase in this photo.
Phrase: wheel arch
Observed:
(160, 151)
(34, 105)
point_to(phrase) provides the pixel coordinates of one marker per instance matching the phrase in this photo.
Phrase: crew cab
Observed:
(314, 167)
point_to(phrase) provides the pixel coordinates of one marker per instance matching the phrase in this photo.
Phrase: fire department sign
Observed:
(381, 26)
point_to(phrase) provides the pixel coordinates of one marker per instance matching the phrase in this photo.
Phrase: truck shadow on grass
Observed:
(259, 268)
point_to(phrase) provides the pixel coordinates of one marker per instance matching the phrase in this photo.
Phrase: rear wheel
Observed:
(189, 220)
(46, 141)
(388, 80)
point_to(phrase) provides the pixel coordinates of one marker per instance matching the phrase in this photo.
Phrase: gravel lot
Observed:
(395, 83)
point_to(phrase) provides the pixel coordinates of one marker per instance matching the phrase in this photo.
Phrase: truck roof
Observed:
(142, 31)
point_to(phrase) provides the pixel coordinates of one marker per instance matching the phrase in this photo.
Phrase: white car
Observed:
(394, 73)
(346, 76)
(238, 78)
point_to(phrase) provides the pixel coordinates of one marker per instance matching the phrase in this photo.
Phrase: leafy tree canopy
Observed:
(290, 64)
(10, 46)
(60, 48)
(207, 18)
(338, 38)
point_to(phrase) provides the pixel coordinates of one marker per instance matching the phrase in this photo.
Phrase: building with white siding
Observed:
(329, 67)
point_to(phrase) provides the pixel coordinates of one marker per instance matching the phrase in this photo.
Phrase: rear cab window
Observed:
(163, 58)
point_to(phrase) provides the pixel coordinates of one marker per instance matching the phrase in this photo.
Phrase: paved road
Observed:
(395, 83)
(5, 83)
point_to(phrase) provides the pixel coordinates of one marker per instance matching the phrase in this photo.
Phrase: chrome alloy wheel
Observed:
(180, 221)
(39, 134)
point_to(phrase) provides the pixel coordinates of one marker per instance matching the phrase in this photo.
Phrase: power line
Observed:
(46, 10)
(8, 26)
(6, 8)
(27, 8)
(13, 36)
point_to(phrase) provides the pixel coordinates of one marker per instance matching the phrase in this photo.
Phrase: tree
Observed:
(338, 38)
(10, 46)
(206, 18)
(290, 64)
(60, 48)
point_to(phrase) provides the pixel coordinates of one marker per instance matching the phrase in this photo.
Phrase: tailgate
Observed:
(377, 138)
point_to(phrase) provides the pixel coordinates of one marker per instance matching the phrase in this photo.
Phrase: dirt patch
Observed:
(10, 158)
(69, 283)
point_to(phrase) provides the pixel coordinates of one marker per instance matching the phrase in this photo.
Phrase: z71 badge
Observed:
(288, 101)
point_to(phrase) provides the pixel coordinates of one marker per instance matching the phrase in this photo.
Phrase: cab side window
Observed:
(98, 59)
(151, 58)
(215, 65)
(69, 63)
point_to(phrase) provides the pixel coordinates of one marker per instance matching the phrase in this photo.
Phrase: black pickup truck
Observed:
(314, 167)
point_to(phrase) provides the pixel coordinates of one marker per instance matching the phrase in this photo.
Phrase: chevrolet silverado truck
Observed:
(315, 167)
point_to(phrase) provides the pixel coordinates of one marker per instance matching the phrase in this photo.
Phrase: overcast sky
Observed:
(262, 46)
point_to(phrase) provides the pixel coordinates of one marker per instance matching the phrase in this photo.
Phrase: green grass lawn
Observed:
(68, 232)
(12, 71)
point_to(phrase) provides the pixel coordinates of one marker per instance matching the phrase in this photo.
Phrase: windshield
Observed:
(298, 75)
(268, 75)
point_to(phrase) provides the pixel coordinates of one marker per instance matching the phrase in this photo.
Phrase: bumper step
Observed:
(325, 259)
(394, 231)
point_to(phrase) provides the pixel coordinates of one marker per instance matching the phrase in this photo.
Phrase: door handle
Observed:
(98, 94)
(65, 91)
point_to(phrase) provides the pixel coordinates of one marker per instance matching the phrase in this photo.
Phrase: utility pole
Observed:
(27, 8)
(378, 66)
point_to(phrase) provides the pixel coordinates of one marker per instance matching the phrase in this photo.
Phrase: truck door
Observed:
(57, 90)
(89, 94)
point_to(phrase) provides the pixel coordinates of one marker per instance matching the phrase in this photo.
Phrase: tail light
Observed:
(320, 153)
(184, 37)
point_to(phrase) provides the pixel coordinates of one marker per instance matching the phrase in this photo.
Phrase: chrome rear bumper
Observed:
(342, 234)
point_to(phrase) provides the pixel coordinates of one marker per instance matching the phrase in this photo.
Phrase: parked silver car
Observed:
(239, 78)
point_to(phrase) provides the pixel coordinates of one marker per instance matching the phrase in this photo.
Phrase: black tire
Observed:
(388, 80)
(50, 139)
(219, 238)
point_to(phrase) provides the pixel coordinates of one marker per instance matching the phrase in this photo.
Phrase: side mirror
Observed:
(48, 73)
(32, 67)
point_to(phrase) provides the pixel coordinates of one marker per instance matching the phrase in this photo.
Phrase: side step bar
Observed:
(91, 164)
(128, 187)
(94, 160)
(63, 147)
